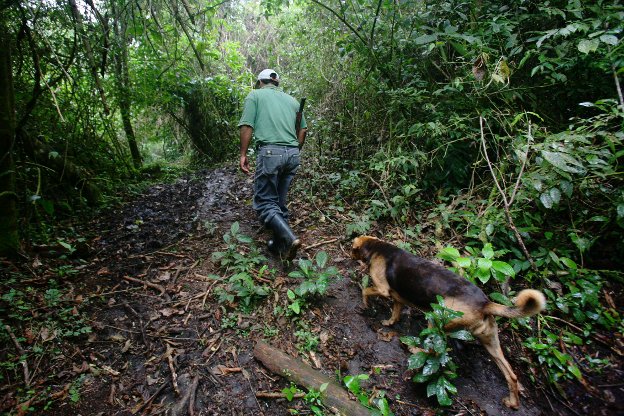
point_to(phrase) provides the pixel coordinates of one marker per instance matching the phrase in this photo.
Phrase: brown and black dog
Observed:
(414, 281)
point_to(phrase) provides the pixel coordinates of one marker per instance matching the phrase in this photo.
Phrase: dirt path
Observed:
(157, 347)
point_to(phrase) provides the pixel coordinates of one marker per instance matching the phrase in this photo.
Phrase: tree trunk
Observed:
(122, 76)
(9, 240)
(89, 53)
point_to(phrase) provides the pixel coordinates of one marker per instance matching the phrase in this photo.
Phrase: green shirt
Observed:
(271, 114)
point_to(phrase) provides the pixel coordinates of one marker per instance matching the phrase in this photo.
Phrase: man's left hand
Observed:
(244, 164)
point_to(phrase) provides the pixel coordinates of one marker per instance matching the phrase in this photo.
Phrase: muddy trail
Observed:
(166, 342)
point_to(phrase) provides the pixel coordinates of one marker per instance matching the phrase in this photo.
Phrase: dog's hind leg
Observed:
(370, 291)
(489, 339)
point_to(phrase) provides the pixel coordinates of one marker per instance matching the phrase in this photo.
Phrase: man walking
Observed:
(269, 115)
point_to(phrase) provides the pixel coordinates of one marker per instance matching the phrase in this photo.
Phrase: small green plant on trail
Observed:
(378, 399)
(433, 363)
(308, 341)
(312, 398)
(243, 263)
(316, 278)
(235, 258)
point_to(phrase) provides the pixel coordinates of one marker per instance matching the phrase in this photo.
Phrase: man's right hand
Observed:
(244, 164)
(245, 138)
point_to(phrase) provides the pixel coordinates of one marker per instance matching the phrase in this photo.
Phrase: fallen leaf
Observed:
(151, 381)
(117, 338)
(46, 335)
(103, 270)
(36, 263)
(164, 277)
(223, 370)
(315, 360)
(28, 334)
(126, 346)
(110, 371)
(386, 336)
(84, 367)
(168, 312)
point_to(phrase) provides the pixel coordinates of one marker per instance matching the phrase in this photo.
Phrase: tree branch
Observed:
(506, 202)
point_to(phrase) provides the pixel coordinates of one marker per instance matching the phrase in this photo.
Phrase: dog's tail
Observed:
(528, 303)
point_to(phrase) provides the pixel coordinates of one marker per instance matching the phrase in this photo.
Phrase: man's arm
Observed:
(301, 137)
(245, 139)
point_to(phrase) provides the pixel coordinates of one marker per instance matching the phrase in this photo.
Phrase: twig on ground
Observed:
(182, 256)
(141, 326)
(151, 398)
(191, 406)
(322, 243)
(146, 283)
(174, 376)
(276, 395)
(208, 289)
(22, 354)
(186, 403)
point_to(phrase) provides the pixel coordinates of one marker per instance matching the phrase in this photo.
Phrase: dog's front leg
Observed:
(396, 314)
(369, 291)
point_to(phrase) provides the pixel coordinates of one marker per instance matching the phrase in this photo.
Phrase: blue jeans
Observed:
(275, 169)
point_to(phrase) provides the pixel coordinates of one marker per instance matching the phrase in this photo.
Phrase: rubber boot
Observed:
(284, 242)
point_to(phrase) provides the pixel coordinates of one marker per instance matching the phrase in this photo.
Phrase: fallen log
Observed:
(334, 396)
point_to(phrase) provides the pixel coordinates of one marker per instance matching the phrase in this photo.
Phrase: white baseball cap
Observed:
(268, 74)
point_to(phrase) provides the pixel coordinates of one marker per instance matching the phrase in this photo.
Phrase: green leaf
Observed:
(462, 334)
(244, 239)
(410, 341)
(575, 371)
(442, 396)
(555, 195)
(504, 268)
(546, 200)
(234, 228)
(463, 262)
(483, 275)
(500, 298)
(570, 264)
(586, 45)
(291, 295)
(323, 387)
(487, 251)
(484, 264)
(416, 361)
(449, 254)
(562, 161)
(420, 378)
(609, 39)
(353, 384)
(295, 307)
(321, 259)
(424, 39)
(431, 366)
(296, 274)
(48, 206)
